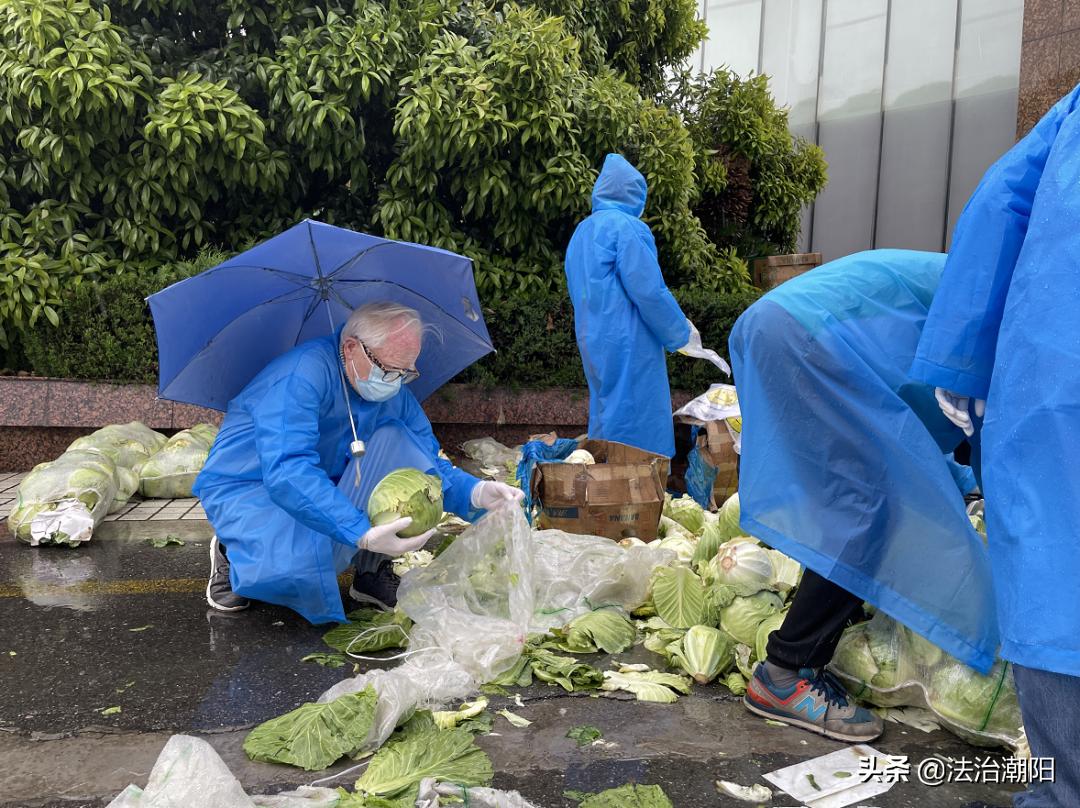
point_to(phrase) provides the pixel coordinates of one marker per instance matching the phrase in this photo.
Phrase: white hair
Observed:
(373, 323)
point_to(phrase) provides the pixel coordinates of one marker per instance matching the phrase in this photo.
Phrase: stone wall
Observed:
(1049, 59)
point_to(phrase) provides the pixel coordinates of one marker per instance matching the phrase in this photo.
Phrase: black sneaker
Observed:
(378, 589)
(219, 593)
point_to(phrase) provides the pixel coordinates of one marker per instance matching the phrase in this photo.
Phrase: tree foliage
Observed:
(134, 133)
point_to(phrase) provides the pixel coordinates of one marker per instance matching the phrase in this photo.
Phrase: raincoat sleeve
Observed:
(286, 435)
(959, 339)
(457, 484)
(639, 271)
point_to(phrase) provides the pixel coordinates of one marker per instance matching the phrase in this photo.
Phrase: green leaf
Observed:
(326, 660)
(604, 630)
(110, 711)
(629, 796)
(165, 542)
(422, 750)
(314, 736)
(50, 313)
(584, 735)
(515, 719)
(370, 630)
(679, 597)
(647, 685)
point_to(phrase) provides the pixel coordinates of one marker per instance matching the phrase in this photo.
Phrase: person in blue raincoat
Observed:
(844, 468)
(624, 315)
(1003, 338)
(280, 484)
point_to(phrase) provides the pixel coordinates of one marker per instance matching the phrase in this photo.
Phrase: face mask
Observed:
(374, 388)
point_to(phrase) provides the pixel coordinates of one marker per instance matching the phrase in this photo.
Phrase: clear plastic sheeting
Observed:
(128, 445)
(82, 477)
(494, 457)
(171, 471)
(575, 574)
(434, 794)
(888, 665)
(189, 772)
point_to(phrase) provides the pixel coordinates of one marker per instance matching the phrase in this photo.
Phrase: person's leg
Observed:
(819, 613)
(1050, 705)
(219, 591)
(792, 683)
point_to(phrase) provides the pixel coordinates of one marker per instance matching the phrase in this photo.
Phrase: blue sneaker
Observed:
(817, 702)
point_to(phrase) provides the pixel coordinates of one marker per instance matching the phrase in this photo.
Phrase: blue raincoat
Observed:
(270, 485)
(1005, 327)
(843, 458)
(624, 315)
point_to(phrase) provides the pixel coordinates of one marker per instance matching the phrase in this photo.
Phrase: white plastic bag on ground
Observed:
(86, 476)
(431, 791)
(189, 773)
(575, 574)
(475, 601)
(172, 470)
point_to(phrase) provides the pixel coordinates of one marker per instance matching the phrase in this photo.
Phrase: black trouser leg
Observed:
(818, 616)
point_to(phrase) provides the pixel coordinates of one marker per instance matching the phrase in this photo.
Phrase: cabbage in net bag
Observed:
(888, 665)
(78, 482)
(127, 445)
(171, 472)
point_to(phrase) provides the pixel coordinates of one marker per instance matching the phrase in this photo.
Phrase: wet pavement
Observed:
(120, 623)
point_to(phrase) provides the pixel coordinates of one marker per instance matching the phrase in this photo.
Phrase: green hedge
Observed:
(106, 334)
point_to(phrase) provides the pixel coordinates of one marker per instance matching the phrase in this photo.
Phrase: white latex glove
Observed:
(956, 408)
(489, 495)
(693, 342)
(384, 539)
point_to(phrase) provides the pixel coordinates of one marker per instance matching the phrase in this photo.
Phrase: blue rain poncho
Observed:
(270, 486)
(1005, 327)
(624, 315)
(843, 459)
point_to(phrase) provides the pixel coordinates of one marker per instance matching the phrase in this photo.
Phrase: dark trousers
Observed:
(1050, 705)
(819, 613)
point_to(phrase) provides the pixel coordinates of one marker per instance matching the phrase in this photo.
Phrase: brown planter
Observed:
(772, 271)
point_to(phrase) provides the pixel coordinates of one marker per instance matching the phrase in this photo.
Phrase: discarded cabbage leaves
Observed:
(629, 796)
(647, 685)
(567, 672)
(742, 618)
(604, 630)
(314, 735)
(679, 596)
(448, 719)
(370, 630)
(584, 735)
(420, 749)
(687, 513)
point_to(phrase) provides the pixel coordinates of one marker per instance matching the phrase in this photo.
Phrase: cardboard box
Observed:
(621, 495)
(718, 450)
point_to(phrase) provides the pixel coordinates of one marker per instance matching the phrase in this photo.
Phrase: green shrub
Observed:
(105, 330)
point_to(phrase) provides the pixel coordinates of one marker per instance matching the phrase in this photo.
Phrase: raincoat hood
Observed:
(620, 186)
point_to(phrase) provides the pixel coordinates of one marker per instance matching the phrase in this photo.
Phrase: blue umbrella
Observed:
(217, 330)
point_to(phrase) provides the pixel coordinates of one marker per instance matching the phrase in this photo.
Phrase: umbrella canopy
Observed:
(218, 329)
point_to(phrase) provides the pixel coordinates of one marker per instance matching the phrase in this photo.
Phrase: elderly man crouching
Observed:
(278, 486)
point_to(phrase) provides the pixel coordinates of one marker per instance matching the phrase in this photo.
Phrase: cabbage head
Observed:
(728, 518)
(742, 618)
(704, 652)
(744, 566)
(407, 492)
(707, 547)
(979, 703)
(582, 456)
(767, 627)
(922, 653)
(687, 513)
(853, 657)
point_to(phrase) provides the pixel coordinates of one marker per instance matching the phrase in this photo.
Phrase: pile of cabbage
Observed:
(888, 665)
(100, 472)
(711, 611)
(97, 475)
(170, 473)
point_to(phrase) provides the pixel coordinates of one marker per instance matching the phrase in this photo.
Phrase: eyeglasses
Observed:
(391, 374)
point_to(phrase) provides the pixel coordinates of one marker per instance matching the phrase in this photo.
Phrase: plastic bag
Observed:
(86, 476)
(887, 664)
(574, 574)
(189, 772)
(475, 601)
(129, 445)
(496, 460)
(172, 470)
(431, 791)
